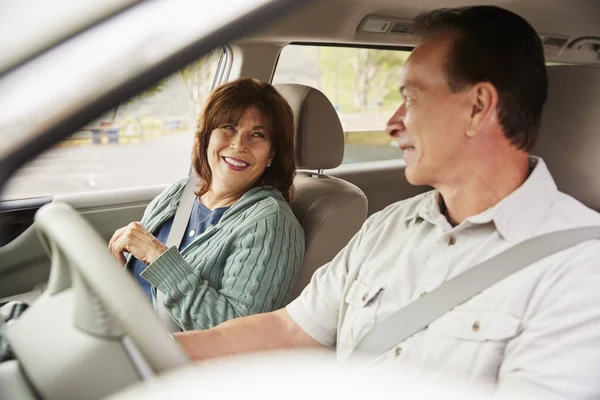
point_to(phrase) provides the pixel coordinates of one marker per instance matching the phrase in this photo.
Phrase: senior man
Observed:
(473, 92)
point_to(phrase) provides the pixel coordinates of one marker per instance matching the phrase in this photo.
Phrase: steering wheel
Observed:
(102, 301)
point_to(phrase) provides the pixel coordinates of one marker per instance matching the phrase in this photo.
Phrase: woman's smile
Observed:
(235, 163)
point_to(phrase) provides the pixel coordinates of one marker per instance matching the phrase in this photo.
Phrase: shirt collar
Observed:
(519, 215)
(429, 210)
(516, 217)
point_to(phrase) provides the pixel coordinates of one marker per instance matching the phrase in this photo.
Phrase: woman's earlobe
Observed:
(271, 158)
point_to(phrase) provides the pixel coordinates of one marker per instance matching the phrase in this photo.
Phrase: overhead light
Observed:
(375, 25)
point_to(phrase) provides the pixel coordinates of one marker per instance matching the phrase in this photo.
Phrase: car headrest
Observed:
(569, 138)
(319, 133)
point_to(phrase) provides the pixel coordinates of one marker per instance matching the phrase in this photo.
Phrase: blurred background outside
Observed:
(148, 140)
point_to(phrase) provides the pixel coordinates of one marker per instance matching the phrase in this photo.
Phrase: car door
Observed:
(110, 167)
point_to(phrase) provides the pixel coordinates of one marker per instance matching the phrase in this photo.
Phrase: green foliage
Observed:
(148, 92)
(368, 138)
(361, 79)
(198, 78)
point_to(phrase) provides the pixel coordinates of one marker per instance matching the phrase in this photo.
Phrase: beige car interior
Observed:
(569, 140)
(92, 331)
(330, 209)
(569, 31)
(86, 335)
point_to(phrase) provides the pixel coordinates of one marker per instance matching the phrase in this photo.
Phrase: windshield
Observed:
(95, 70)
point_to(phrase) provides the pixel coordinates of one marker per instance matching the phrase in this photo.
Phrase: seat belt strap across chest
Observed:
(417, 315)
(180, 222)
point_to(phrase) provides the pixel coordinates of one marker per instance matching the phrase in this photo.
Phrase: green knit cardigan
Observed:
(246, 264)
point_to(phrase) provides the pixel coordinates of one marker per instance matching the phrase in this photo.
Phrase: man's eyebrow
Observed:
(407, 86)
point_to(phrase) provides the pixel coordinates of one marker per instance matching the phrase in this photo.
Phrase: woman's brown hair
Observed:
(228, 102)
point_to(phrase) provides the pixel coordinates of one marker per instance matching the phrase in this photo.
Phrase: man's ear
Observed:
(484, 100)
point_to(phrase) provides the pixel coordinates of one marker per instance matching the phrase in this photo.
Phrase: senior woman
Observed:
(243, 246)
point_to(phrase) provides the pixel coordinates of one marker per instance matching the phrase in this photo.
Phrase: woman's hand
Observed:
(136, 240)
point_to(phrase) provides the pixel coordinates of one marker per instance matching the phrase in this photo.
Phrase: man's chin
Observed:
(414, 178)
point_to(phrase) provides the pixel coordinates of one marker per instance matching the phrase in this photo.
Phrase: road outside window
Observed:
(145, 141)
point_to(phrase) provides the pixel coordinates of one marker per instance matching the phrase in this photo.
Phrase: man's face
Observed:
(431, 123)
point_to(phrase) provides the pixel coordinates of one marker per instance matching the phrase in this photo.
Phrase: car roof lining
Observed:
(555, 18)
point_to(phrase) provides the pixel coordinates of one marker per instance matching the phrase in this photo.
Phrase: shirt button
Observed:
(451, 240)
(398, 351)
(422, 294)
(364, 298)
(476, 326)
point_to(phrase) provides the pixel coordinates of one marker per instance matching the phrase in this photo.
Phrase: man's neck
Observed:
(480, 188)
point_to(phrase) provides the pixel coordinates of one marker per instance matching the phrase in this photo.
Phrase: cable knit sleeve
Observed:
(258, 275)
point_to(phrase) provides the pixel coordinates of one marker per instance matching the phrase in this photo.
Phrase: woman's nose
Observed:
(238, 141)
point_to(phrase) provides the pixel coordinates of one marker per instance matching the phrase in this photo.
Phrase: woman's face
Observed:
(239, 153)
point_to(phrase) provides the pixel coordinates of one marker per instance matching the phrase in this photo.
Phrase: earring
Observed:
(269, 164)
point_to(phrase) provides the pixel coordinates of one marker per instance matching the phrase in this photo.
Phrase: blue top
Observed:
(201, 218)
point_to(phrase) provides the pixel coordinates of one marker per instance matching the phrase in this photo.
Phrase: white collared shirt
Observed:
(536, 331)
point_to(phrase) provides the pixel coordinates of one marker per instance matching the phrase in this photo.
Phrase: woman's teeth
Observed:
(235, 163)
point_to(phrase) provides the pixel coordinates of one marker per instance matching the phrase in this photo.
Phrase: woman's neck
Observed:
(212, 199)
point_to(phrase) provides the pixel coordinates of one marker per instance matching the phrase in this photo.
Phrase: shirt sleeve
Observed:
(317, 309)
(557, 353)
(258, 276)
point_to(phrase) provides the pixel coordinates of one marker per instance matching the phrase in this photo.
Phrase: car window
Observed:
(361, 83)
(145, 141)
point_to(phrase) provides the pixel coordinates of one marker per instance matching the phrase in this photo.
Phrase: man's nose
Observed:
(395, 124)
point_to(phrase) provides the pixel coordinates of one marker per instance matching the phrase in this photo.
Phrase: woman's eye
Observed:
(259, 134)
(228, 127)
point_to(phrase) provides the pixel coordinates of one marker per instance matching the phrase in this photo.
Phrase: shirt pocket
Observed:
(361, 303)
(472, 341)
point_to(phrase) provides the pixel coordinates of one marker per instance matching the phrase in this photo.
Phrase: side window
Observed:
(145, 141)
(361, 83)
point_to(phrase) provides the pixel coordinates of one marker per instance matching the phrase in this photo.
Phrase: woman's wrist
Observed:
(158, 251)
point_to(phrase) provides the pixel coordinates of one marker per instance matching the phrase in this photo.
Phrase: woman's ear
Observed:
(271, 158)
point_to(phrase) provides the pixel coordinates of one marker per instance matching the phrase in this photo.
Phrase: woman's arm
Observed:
(258, 275)
(151, 213)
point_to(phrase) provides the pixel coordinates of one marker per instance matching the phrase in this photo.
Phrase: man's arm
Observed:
(259, 332)
(316, 310)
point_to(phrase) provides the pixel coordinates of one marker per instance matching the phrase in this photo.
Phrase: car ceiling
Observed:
(337, 20)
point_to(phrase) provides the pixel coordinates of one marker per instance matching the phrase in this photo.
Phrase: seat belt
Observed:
(417, 315)
(180, 222)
